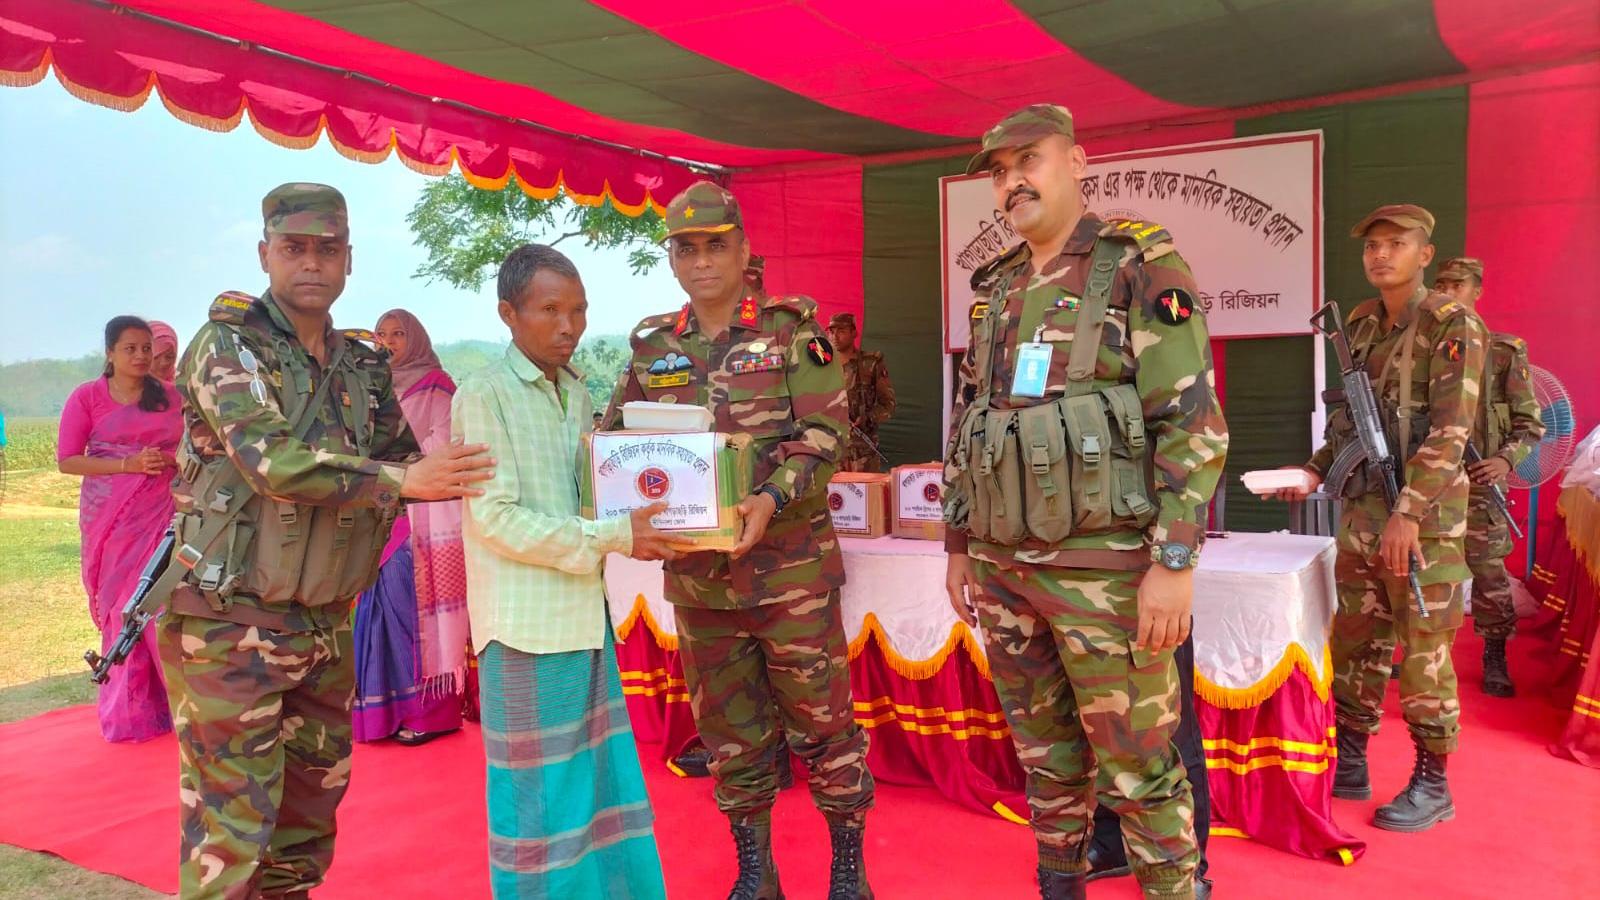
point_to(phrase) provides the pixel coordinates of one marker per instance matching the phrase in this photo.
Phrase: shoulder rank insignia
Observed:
(1175, 306)
(820, 351)
(683, 321)
(1154, 241)
(979, 310)
(230, 306)
(747, 310)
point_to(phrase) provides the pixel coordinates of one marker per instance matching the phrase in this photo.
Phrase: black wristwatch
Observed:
(778, 503)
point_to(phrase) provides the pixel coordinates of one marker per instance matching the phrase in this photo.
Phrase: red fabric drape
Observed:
(808, 224)
(1569, 620)
(118, 60)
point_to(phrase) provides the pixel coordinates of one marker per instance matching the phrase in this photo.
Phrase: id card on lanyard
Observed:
(1032, 368)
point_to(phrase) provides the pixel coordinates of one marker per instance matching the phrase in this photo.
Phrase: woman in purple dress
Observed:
(120, 432)
(411, 633)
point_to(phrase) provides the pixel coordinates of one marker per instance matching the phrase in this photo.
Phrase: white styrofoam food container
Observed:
(640, 415)
(1265, 481)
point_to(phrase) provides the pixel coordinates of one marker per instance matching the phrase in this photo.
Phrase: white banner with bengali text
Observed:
(1246, 215)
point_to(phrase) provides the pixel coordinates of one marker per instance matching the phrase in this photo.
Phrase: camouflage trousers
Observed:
(263, 722)
(1488, 545)
(1082, 701)
(750, 671)
(1376, 610)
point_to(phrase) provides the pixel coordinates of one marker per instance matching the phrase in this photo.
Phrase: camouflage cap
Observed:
(839, 320)
(703, 208)
(1026, 125)
(1406, 215)
(303, 208)
(1461, 268)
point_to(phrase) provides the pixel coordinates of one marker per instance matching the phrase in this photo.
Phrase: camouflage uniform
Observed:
(866, 384)
(261, 691)
(760, 636)
(1375, 609)
(1508, 426)
(1059, 619)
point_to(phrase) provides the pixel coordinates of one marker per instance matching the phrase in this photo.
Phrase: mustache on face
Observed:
(1018, 194)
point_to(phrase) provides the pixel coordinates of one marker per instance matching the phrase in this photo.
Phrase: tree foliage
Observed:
(468, 231)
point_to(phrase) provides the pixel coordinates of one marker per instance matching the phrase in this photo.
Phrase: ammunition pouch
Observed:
(1073, 466)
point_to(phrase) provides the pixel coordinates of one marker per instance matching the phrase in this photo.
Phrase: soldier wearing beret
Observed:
(866, 383)
(759, 628)
(1507, 429)
(1424, 352)
(1088, 440)
(294, 464)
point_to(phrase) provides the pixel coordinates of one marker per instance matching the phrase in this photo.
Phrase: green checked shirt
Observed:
(534, 578)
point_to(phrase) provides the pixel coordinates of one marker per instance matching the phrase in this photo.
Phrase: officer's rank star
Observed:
(688, 212)
(1175, 306)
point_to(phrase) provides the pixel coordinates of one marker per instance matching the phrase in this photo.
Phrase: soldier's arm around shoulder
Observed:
(809, 457)
(1175, 381)
(1457, 371)
(242, 405)
(1527, 428)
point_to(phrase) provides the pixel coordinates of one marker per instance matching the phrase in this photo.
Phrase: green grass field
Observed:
(41, 648)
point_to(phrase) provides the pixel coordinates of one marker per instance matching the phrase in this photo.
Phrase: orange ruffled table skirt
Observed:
(1566, 579)
(921, 683)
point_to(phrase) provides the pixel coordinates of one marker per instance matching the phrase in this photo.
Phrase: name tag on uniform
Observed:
(1033, 369)
(677, 379)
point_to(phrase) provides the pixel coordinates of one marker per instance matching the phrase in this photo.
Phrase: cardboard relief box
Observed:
(701, 475)
(917, 501)
(859, 503)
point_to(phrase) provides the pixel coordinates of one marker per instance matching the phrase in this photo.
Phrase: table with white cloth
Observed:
(1262, 610)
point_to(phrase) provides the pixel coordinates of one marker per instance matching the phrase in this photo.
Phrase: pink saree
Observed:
(441, 569)
(121, 518)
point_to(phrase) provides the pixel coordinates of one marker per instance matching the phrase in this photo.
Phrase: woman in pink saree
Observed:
(411, 632)
(119, 432)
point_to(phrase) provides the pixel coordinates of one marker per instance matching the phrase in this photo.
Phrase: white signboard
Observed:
(633, 470)
(1246, 215)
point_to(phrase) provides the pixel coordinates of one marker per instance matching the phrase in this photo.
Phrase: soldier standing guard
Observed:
(866, 383)
(1424, 352)
(760, 628)
(294, 463)
(1088, 440)
(1507, 429)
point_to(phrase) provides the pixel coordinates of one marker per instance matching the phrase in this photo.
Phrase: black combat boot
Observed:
(758, 873)
(1105, 864)
(847, 874)
(1055, 885)
(1424, 802)
(1350, 781)
(1496, 680)
(694, 762)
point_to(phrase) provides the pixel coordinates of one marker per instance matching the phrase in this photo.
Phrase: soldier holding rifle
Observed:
(1424, 354)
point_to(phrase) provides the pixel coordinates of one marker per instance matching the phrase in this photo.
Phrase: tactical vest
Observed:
(1076, 465)
(236, 543)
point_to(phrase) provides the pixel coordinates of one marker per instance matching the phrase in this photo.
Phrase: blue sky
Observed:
(104, 213)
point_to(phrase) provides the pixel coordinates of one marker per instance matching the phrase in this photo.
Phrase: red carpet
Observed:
(413, 825)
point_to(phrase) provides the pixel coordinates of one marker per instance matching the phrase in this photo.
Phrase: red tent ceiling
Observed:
(607, 98)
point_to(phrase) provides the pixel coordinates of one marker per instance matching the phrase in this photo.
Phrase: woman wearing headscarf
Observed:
(164, 346)
(120, 432)
(411, 631)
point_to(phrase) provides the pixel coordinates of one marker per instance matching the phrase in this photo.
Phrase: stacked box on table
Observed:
(917, 501)
(701, 475)
(859, 502)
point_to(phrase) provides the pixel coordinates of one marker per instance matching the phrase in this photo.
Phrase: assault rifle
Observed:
(142, 606)
(1372, 450)
(871, 444)
(1496, 496)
